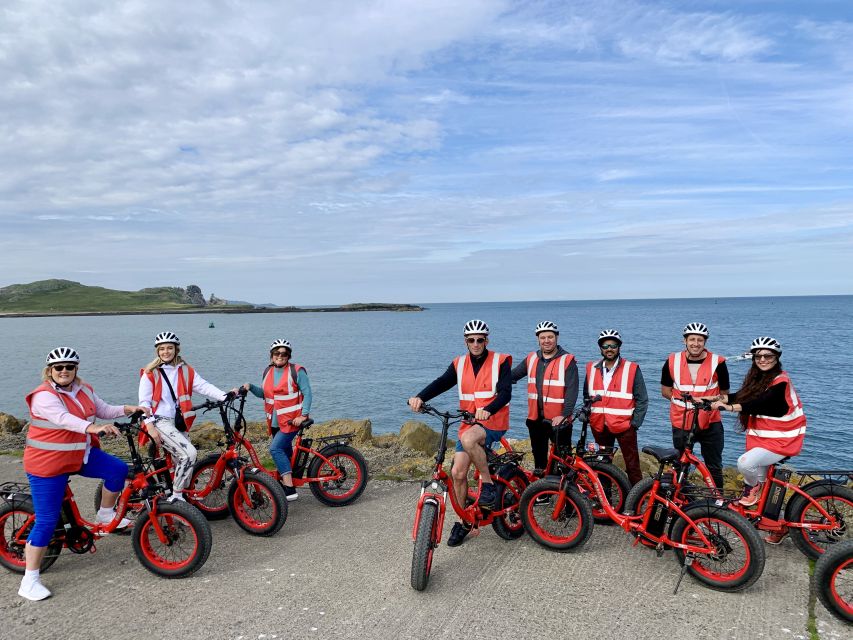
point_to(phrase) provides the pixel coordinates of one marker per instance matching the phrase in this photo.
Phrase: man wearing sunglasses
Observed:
(552, 390)
(624, 400)
(702, 374)
(484, 379)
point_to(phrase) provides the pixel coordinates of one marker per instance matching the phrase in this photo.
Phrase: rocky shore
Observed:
(405, 456)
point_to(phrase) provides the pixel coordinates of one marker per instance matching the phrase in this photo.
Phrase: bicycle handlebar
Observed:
(124, 427)
(207, 405)
(465, 416)
(702, 404)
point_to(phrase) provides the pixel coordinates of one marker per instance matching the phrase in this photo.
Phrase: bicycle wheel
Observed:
(13, 527)
(346, 489)
(837, 500)
(425, 545)
(833, 580)
(511, 486)
(188, 540)
(266, 511)
(616, 487)
(564, 530)
(214, 505)
(738, 557)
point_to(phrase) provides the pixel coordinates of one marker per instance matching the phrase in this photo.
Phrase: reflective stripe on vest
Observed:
(616, 406)
(284, 399)
(183, 394)
(51, 449)
(705, 385)
(782, 435)
(553, 386)
(477, 392)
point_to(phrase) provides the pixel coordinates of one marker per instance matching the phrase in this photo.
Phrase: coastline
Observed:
(225, 310)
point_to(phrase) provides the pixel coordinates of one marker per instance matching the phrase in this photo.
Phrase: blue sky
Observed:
(333, 152)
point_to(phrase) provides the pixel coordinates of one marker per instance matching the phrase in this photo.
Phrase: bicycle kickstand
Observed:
(688, 560)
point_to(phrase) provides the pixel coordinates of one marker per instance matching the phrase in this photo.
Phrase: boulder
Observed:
(10, 424)
(205, 436)
(362, 429)
(417, 436)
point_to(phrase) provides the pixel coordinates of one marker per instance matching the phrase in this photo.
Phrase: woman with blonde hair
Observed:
(60, 441)
(166, 386)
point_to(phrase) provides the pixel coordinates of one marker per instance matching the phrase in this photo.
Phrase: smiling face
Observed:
(167, 352)
(476, 343)
(280, 356)
(547, 342)
(63, 373)
(765, 359)
(695, 345)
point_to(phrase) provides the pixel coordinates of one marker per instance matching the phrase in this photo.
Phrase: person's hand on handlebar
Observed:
(481, 414)
(560, 420)
(130, 410)
(298, 420)
(103, 430)
(416, 404)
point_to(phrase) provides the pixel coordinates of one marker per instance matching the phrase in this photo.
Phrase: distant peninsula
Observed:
(69, 298)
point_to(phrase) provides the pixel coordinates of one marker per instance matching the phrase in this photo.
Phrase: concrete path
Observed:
(344, 573)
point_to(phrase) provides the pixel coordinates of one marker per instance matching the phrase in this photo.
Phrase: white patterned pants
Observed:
(183, 452)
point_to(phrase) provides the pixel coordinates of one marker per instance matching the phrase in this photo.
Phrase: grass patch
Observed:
(811, 625)
(17, 453)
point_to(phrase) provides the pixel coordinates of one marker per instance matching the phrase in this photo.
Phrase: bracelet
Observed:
(731, 408)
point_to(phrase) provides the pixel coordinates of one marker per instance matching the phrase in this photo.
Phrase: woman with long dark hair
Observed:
(772, 415)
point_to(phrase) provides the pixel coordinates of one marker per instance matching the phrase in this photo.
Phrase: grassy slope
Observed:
(66, 296)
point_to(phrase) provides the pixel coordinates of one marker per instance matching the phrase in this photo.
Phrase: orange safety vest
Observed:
(705, 385)
(284, 399)
(783, 436)
(184, 392)
(617, 401)
(52, 449)
(553, 386)
(477, 392)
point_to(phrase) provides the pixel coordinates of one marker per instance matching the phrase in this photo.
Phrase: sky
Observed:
(328, 152)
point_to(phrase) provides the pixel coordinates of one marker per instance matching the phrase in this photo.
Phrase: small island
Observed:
(68, 298)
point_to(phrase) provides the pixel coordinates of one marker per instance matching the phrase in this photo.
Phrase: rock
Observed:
(417, 436)
(362, 429)
(10, 424)
(410, 468)
(193, 295)
(206, 435)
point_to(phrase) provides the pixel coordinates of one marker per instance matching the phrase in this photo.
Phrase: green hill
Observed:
(66, 296)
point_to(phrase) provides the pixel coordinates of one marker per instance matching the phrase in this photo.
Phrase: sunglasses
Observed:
(475, 340)
(281, 354)
(64, 367)
(609, 346)
(764, 356)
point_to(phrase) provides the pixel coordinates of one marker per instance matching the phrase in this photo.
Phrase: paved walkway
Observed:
(344, 573)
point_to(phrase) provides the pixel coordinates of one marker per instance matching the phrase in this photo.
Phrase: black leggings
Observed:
(541, 432)
(711, 440)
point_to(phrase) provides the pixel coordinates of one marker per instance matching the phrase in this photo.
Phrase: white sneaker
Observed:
(176, 497)
(33, 590)
(106, 519)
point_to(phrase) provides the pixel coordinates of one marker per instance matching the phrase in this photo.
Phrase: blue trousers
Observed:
(48, 492)
(281, 450)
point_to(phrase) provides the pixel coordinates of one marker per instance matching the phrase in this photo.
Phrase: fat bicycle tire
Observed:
(188, 545)
(570, 529)
(424, 546)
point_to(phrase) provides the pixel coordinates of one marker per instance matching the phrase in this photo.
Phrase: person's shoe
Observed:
(106, 518)
(542, 499)
(775, 537)
(488, 495)
(177, 497)
(457, 535)
(290, 493)
(33, 590)
(752, 496)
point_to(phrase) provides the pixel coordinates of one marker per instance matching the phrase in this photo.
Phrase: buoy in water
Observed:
(211, 325)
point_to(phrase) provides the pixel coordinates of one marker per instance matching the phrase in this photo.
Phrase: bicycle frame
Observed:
(756, 513)
(436, 489)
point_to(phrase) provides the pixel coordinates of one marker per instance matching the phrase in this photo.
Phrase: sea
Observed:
(366, 364)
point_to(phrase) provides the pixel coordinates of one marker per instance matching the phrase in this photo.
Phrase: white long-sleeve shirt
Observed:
(48, 406)
(166, 406)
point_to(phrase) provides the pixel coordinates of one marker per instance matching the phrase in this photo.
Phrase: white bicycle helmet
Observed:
(281, 342)
(474, 327)
(696, 328)
(766, 342)
(609, 334)
(166, 337)
(546, 325)
(62, 354)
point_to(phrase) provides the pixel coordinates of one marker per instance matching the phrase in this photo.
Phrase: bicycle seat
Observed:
(663, 454)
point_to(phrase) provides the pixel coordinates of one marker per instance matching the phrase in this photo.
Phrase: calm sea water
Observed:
(365, 365)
